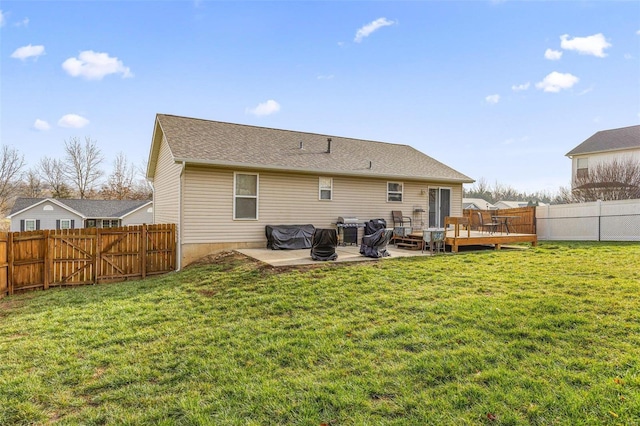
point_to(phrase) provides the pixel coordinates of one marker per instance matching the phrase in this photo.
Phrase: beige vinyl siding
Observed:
(286, 198)
(166, 187)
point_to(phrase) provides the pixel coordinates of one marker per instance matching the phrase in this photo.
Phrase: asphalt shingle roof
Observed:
(609, 140)
(218, 143)
(102, 209)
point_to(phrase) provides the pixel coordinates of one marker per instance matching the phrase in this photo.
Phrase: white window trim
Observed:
(68, 221)
(257, 196)
(401, 192)
(35, 224)
(320, 189)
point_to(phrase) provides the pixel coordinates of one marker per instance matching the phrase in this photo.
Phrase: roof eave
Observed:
(230, 164)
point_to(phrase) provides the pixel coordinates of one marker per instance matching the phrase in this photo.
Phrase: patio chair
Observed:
(491, 226)
(323, 244)
(399, 219)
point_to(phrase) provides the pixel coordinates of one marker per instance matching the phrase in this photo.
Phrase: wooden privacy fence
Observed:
(522, 222)
(67, 257)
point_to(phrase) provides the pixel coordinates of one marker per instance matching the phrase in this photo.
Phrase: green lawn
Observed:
(542, 336)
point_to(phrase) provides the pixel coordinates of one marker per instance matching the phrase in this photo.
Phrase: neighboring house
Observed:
(516, 204)
(477, 204)
(30, 214)
(605, 146)
(221, 183)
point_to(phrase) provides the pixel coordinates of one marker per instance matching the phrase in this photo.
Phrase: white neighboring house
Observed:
(31, 214)
(605, 146)
(477, 204)
(502, 204)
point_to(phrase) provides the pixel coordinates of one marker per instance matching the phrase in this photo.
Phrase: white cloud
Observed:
(41, 125)
(73, 121)
(29, 51)
(552, 55)
(2, 18)
(520, 87)
(95, 65)
(368, 29)
(555, 81)
(492, 99)
(591, 45)
(265, 108)
(23, 23)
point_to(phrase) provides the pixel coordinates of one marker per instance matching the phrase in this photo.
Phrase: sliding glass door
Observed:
(439, 206)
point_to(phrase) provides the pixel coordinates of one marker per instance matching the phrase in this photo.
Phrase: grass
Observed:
(549, 335)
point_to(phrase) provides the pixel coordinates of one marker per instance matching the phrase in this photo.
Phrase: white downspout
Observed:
(179, 248)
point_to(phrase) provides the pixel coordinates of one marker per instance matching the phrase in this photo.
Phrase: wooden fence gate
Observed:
(48, 258)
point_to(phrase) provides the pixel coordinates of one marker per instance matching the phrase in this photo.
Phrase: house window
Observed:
(29, 224)
(394, 191)
(91, 223)
(245, 196)
(110, 223)
(65, 223)
(325, 188)
(582, 168)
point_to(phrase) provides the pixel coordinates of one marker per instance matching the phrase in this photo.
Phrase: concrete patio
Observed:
(303, 256)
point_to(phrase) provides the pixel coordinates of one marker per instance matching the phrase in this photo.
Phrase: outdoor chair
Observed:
(491, 226)
(399, 219)
(323, 244)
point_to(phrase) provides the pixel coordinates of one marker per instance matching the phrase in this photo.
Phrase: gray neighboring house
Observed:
(221, 183)
(30, 214)
(605, 146)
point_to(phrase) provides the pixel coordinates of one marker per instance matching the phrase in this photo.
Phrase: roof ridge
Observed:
(283, 130)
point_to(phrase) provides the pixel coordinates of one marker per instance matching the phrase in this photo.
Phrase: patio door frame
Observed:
(439, 207)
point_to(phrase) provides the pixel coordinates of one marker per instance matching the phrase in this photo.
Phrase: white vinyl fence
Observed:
(595, 221)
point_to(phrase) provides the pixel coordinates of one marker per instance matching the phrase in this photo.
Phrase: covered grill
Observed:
(348, 229)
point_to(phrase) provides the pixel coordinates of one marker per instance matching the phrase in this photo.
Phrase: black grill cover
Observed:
(323, 246)
(374, 225)
(281, 237)
(375, 245)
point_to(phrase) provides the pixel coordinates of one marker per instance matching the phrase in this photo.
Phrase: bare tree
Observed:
(120, 184)
(82, 162)
(11, 164)
(32, 185)
(52, 173)
(618, 179)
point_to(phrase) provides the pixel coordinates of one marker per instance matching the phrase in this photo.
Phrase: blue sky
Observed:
(499, 90)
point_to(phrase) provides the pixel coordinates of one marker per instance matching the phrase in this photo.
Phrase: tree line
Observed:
(77, 174)
(618, 179)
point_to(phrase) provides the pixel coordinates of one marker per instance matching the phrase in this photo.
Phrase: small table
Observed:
(504, 221)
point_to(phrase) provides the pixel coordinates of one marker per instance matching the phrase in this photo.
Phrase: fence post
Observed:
(143, 248)
(96, 252)
(599, 220)
(45, 264)
(10, 263)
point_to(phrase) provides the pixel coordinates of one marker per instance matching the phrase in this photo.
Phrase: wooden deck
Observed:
(477, 238)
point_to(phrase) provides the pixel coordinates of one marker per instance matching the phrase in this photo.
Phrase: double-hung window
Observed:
(325, 188)
(394, 191)
(582, 168)
(65, 223)
(30, 225)
(245, 196)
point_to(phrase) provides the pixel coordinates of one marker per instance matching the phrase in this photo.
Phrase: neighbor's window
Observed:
(110, 223)
(91, 223)
(394, 191)
(325, 188)
(65, 223)
(582, 167)
(29, 224)
(245, 196)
